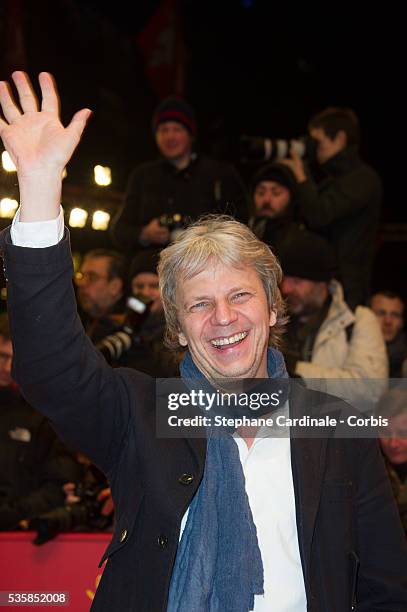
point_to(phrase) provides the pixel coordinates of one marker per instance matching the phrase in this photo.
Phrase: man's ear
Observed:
(273, 318)
(181, 339)
(341, 138)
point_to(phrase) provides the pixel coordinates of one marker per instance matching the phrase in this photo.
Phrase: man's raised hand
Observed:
(35, 138)
(37, 142)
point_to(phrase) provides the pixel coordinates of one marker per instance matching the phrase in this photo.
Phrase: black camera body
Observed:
(172, 221)
(84, 515)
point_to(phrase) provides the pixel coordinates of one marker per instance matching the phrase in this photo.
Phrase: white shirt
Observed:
(268, 475)
(270, 490)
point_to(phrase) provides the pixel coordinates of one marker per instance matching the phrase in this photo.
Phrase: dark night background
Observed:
(250, 67)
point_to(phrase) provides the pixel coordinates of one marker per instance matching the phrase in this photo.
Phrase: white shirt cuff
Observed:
(37, 234)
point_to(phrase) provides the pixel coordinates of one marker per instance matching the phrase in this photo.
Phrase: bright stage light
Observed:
(7, 162)
(8, 208)
(100, 220)
(103, 175)
(78, 217)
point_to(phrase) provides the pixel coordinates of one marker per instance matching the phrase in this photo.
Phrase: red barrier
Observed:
(67, 564)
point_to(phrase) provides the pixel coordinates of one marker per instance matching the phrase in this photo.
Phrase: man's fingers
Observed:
(8, 104)
(78, 122)
(28, 99)
(50, 99)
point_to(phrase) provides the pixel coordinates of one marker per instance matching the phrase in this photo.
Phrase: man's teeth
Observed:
(231, 340)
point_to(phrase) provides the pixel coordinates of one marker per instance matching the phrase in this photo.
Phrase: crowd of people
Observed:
(321, 227)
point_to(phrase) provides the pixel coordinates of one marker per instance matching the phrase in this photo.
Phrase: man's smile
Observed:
(228, 341)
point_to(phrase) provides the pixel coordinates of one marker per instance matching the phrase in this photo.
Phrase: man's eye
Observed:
(199, 306)
(240, 297)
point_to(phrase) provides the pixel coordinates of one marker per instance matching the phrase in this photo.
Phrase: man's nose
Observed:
(223, 314)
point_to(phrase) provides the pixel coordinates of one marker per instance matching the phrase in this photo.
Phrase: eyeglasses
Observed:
(88, 277)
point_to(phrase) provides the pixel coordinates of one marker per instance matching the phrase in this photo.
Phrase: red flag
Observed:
(162, 46)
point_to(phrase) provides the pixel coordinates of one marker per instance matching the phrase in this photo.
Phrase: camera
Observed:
(84, 515)
(175, 223)
(259, 149)
(113, 346)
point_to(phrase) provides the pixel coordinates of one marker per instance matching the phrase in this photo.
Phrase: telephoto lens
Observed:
(113, 346)
(261, 149)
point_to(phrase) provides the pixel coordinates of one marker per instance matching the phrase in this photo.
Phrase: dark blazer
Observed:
(351, 542)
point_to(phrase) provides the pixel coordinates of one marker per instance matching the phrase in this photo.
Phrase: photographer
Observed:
(344, 207)
(178, 187)
(100, 289)
(139, 342)
(274, 210)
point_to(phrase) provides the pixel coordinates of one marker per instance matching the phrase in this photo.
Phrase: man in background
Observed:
(344, 206)
(274, 209)
(325, 339)
(393, 406)
(389, 309)
(101, 283)
(164, 195)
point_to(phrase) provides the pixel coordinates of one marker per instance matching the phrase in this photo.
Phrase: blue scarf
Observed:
(218, 567)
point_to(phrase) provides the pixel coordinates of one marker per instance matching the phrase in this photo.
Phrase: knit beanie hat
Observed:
(307, 255)
(278, 173)
(175, 109)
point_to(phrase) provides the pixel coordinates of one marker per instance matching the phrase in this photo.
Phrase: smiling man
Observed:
(226, 523)
(226, 322)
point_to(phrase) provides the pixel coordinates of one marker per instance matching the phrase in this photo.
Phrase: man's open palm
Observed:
(35, 137)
